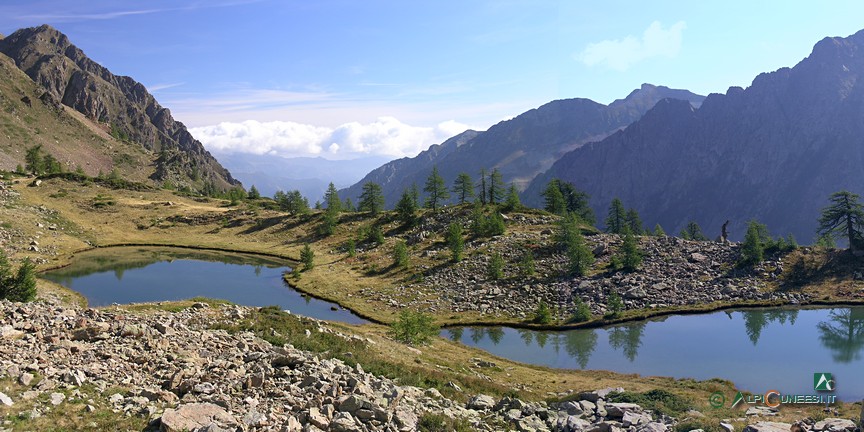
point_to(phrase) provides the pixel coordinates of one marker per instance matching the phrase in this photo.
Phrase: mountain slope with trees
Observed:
(773, 151)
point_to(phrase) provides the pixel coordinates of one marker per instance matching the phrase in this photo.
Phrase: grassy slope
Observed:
(67, 135)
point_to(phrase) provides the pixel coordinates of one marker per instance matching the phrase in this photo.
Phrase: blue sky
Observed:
(343, 79)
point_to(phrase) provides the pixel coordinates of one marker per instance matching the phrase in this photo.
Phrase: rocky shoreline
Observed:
(179, 375)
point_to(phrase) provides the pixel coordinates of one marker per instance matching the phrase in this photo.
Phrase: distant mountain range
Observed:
(774, 151)
(310, 176)
(123, 125)
(522, 147)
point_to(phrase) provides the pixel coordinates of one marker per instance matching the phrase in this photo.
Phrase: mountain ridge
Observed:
(773, 151)
(522, 147)
(118, 103)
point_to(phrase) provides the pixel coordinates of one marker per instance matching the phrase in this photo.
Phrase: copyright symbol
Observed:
(716, 400)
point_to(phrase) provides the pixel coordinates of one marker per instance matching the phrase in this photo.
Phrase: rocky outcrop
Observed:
(774, 151)
(673, 273)
(522, 147)
(119, 103)
(184, 377)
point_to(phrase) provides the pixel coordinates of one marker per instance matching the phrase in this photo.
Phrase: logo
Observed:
(738, 398)
(717, 400)
(823, 381)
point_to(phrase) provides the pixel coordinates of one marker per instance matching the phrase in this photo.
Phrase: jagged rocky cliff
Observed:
(119, 104)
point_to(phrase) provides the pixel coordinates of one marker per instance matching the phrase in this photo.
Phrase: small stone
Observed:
(5, 400)
(57, 398)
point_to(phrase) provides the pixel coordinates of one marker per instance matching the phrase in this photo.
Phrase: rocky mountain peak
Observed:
(773, 151)
(118, 104)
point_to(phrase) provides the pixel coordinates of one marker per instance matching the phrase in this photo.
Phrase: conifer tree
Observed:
(634, 222)
(753, 249)
(616, 220)
(454, 241)
(843, 218)
(482, 186)
(436, 190)
(371, 199)
(631, 256)
(553, 198)
(463, 188)
(496, 187)
(512, 203)
(570, 238)
(253, 193)
(307, 257)
(658, 231)
(331, 198)
(693, 232)
(406, 209)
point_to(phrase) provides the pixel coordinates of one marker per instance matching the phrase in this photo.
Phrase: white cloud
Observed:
(385, 136)
(620, 54)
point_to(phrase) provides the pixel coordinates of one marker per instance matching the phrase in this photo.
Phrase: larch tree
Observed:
(463, 188)
(843, 217)
(616, 219)
(436, 190)
(371, 199)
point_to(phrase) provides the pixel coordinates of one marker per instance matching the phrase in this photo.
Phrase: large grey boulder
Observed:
(834, 425)
(767, 426)
(481, 402)
(195, 417)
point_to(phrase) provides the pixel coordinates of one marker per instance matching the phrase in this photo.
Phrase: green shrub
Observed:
(579, 256)
(582, 312)
(527, 263)
(413, 328)
(486, 226)
(430, 422)
(400, 254)
(375, 235)
(351, 247)
(543, 315)
(20, 287)
(631, 256)
(496, 267)
(307, 257)
(614, 305)
(454, 241)
(660, 401)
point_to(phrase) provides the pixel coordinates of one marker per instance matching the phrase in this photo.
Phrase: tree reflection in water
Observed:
(527, 337)
(455, 333)
(628, 338)
(756, 320)
(844, 334)
(580, 345)
(476, 334)
(495, 334)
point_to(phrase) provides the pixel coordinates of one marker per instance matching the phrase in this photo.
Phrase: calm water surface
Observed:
(758, 350)
(145, 274)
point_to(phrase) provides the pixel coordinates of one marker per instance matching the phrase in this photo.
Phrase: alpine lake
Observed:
(131, 274)
(759, 350)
